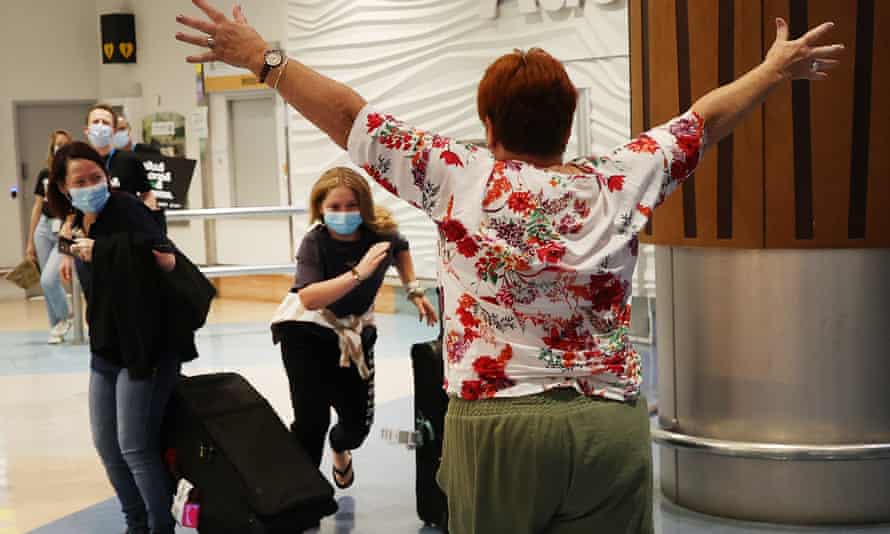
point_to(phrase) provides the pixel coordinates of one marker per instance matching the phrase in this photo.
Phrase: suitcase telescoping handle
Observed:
(424, 433)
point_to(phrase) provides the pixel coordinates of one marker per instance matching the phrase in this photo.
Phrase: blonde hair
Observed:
(52, 145)
(376, 218)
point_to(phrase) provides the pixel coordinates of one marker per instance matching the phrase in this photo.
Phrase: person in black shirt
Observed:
(126, 401)
(325, 325)
(43, 238)
(125, 171)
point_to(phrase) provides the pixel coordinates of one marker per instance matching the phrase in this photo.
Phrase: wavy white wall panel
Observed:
(421, 60)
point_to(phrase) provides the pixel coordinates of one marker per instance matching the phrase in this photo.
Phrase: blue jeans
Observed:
(46, 242)
(125, 416)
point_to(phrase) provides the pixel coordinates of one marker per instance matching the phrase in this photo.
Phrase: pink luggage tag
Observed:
(185, 512)
(190, 514)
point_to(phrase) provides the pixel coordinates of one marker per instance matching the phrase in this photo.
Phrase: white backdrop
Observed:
(421, 60)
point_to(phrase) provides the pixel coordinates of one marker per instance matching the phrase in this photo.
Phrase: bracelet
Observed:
(281, 73)
(358, 277)
(413, 289)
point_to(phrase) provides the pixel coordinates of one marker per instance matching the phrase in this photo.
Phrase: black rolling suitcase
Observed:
(250, 474)
(430, 405)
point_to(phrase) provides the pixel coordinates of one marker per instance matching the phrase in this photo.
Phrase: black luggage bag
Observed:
(430, 405)
(250, 474)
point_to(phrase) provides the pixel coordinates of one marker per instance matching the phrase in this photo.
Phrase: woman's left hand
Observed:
(804, 58)
(165, 260)
(83, 248)
(231, 41)
(425, 310)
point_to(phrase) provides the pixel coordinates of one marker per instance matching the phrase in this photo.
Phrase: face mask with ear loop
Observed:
(120, 139)
(99, 135)
(343, 222)
(90, 199)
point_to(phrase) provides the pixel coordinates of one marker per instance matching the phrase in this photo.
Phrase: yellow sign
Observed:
(127, 49)
(233, 82)
(108, 48)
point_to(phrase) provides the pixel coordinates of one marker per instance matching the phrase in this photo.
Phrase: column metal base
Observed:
(783, 347)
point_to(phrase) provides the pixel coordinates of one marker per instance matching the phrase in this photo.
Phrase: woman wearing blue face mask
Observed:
(325, 325)
(134, 366)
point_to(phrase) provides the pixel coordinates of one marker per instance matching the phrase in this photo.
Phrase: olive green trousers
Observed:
(556, 463)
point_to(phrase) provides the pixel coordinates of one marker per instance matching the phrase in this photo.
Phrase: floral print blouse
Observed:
(536, 265)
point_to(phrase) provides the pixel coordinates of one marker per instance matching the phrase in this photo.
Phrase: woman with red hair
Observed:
(546, 430)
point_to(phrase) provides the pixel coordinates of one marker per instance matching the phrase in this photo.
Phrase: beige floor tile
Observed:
(47, 489)
(51, 465)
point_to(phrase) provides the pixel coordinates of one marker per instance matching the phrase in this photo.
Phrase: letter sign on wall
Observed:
(488, 9)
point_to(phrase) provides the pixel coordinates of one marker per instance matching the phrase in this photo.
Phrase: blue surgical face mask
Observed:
(90, 199)
(99, 135)
(121, 139)
(343, 222)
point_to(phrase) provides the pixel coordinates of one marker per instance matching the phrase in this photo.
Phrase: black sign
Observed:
(118, 38)
(170, 179)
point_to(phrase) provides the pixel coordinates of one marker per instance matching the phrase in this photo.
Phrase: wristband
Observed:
(413, 289)
(358, 277)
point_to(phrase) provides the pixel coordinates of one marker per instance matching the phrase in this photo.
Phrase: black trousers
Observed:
(311, 355)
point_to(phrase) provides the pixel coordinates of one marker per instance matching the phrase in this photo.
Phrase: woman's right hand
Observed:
(31, 251)
(369, 263)
(233, 41)
(66, 267)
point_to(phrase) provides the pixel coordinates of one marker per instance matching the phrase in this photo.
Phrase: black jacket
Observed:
(136, 311)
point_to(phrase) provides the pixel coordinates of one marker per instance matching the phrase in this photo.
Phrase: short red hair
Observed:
(530, 101)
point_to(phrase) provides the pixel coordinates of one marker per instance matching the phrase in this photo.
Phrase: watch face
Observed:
(274, 58)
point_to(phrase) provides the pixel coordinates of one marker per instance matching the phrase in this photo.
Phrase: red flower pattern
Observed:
(644, 144)
(468, 247)
(498, 185)
(453, 230)
(471, 389)
(616, 183)
(451, 158)
(551, 252)
(489, 369)
(520, 202)
(606, 291)
(375, 120)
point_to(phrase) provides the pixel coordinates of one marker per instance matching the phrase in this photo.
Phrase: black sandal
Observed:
(343, 474)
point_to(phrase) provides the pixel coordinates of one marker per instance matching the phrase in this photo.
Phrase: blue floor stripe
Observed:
(220, 345)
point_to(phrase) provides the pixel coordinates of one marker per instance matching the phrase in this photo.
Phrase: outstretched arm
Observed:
(643, 172)
(326, 103)
(723, 108)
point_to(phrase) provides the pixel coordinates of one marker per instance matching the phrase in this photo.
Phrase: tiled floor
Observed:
(51, 481)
